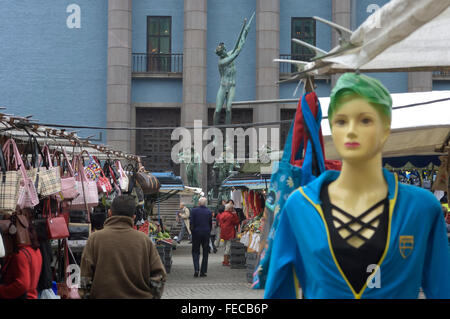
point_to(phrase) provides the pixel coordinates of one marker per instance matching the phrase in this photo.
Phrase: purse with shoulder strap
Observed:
(148, 182)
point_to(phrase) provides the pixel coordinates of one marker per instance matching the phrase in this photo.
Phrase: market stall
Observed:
(249, 191)
(63, 186)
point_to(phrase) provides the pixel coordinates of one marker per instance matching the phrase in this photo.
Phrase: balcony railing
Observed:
(441, 75)
(157, 63)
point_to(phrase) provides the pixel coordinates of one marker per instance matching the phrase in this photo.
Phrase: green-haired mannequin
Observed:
(359, 116)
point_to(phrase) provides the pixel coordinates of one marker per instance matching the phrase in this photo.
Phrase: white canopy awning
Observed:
(404, 35)
(404, 142)
(433, 114)
(416, 130)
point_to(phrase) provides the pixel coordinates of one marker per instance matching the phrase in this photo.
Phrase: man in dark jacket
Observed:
(201, 223)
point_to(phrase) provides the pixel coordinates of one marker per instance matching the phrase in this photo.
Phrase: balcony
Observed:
(441, 75)
(286, 69)
(160, 65)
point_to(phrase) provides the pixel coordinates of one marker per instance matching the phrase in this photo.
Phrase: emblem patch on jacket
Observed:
(406, 245)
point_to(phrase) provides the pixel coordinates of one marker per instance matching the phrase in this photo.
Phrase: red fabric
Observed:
(257, 204)
(299, 129)
(249, 203)
(329, 164)
(21, 274)
(228, 221)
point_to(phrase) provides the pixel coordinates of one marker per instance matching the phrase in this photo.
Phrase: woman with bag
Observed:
(21, 270)
(228, 221)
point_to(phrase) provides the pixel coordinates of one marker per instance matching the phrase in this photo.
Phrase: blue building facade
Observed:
(51, 67)
(54, 59)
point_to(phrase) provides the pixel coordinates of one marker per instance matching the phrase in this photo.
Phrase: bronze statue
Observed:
(227, 71)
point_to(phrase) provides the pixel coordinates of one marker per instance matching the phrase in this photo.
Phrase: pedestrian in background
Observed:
(212, 247)
(220, 210)
(228, 221)
(119, 262)
(201, 224)
(184, 215)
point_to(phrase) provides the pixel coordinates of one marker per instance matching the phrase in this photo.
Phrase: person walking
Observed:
(219, 211)
(184, 215)
(120, 262)
(201, 224)
(228, 221)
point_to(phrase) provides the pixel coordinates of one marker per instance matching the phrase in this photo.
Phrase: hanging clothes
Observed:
(236, 196)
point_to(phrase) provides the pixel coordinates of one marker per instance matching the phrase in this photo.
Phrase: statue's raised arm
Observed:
(243, 34)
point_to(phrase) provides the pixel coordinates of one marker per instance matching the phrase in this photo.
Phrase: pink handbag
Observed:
(28, 197)
(87, 188)
(68, 183)
(123, 178)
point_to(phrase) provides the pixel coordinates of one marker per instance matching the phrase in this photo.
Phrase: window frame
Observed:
(159, 36)
(295, 19)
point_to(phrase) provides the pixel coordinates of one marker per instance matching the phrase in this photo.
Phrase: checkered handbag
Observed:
(27, 195)
(49, 179)
(9, 187)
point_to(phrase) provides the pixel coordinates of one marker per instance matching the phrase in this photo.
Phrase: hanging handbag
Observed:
(148, 182)
(56, 225)
(17, 228)
(49, 177)
(93, 169)
(87, 188)
(123, 178)
(46, 178)
(68, 183)
(286, 177)
(79, 231)
(66, 290)
(103, 183)
(9, 187)
(28, 197)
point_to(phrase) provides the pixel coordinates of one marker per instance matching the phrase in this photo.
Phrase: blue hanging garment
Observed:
(287, 177)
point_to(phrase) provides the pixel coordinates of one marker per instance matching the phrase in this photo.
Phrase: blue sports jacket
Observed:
(416, 253)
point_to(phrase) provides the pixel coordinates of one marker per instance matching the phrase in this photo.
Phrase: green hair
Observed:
(360, 85)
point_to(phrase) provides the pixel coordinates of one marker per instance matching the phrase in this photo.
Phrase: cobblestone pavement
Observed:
(221, 282)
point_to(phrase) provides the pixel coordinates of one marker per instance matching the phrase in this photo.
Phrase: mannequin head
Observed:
(352, 85)
(359, 116)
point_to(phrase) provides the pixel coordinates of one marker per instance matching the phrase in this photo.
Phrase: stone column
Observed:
(420, 81)
(194, 71)
(341, 14)
(267, 71)
(118, 109)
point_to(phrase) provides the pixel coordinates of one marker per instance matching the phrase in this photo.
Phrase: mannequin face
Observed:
(358, 131)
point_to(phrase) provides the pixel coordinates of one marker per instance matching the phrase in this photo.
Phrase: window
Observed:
(159, 39)
(303, 29)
